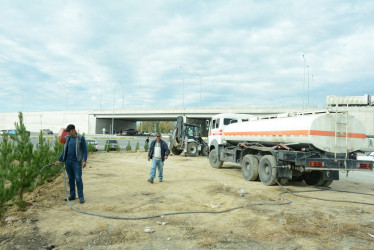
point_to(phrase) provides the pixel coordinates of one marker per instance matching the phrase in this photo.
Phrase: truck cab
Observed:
(217, 124)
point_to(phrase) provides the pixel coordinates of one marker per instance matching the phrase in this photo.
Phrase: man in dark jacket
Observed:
(74, 155)
(158, 152)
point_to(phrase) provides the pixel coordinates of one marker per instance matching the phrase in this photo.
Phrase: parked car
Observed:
(47, 132)
(113, 144)
(93, 142)
(130, 131)
(11, 132)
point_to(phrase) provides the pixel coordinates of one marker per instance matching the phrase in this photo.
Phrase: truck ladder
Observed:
(346, 131)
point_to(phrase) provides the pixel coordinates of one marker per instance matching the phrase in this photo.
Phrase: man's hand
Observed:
(83, 164)
(149, 159)
(166, 157)
(57, 163)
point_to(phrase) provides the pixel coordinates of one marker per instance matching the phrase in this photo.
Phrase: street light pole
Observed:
(303, 83)
(308, 84)
(182, 87)
(114, 101)
(101, 91)
(123, 98)
(200, 89)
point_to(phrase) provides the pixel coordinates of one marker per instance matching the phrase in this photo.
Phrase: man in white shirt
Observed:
(158, 152)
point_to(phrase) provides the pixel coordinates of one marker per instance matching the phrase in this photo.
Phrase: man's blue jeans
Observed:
(74, 171)
(156, 163)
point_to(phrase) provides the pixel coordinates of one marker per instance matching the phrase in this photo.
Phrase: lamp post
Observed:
(182, 86)
(114, 102)
(308, 84)
(123, 96)
(303, 82)
(101, 90)
(200, 89)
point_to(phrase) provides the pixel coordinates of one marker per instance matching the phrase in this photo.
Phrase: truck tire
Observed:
(314, 178)
(192, 149)
(213, 159)
(267, 170)
(205, 150)
(327, 183)
(250, 167)
(176, 151)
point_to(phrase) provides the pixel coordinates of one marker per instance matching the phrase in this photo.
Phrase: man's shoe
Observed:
(150, 180)
(70, 199)
(160, 180)
(81, 200)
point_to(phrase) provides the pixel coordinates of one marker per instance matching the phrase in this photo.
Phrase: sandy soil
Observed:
(116, 184)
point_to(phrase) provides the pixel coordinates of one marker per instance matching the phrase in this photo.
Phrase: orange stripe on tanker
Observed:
(298, 133)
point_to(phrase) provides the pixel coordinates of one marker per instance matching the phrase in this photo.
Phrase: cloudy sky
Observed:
(92, 55)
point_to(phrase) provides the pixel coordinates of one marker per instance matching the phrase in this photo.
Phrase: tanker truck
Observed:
(309, 146)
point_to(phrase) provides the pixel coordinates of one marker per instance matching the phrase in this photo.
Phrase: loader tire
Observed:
(176, 151)
(213, 159)
(250, 167)
(205, 150)
(192, 149)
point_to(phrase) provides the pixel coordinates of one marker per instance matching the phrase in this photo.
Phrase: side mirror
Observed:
(207, 123)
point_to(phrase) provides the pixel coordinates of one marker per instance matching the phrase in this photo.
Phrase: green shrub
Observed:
(146, 147)
(90, 147)
(137, 147)
(128, 147)
(107, 146)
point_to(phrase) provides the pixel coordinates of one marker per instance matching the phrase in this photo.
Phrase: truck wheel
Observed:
(314, 178)
(267, 170)
(176, 151)
(250, 167)
(213, 159)
(192, 149)
(205, 150)
(327, 183)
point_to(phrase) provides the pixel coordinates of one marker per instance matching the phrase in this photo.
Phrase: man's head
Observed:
(70, 129)
(158, 136)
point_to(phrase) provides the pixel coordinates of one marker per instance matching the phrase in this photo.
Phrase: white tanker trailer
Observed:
(311, 146)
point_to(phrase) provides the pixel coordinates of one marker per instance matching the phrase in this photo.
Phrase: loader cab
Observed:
(192, 131)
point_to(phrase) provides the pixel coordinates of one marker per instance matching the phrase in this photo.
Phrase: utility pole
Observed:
(182, 85)
(303, 83)
(308, 84)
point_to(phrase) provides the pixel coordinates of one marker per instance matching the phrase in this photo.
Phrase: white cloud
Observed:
(74, 55)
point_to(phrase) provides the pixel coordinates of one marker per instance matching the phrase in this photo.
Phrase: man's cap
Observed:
(158, 134)
(69, 127)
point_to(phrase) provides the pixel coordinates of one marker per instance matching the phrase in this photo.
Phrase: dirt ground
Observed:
(116, 184)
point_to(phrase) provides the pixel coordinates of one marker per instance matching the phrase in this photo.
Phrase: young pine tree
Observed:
(128, 147)
(6, 160)
(22, 173)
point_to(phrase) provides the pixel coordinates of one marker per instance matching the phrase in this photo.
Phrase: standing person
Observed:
(147, 140)
(74, 155)
(158, 152)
